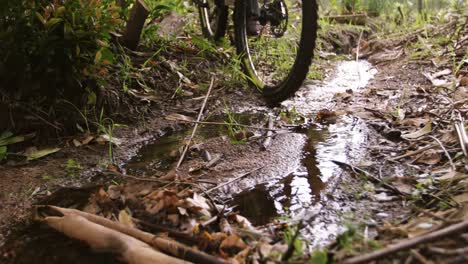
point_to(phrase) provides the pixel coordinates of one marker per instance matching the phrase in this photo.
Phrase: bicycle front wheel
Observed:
(276, 43)
(213, 18)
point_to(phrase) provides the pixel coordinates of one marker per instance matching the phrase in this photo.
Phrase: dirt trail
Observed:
(294, 178)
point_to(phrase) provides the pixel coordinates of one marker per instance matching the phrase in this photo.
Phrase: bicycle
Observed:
(275, 40)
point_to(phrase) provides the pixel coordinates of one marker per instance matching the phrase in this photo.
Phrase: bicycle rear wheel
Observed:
(276, 44)
(213, 18)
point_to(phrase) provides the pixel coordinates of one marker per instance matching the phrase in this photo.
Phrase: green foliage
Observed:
(319, 257)
(50, 47)
(289, 235)
(3, 152)
(73, 167)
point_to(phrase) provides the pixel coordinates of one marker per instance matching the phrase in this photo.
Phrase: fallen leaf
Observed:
(441, 73)
(174, 219)
(126, 219)
(7, 138)
(418, 122)
(76, 143)
(33, 153)
(114, 192)
(461, 198)
(87, 139)
(429, 157)
(179, 117)
(452, 176)
(232, 245)
(102, 139)
(421, 132)
(384, 197)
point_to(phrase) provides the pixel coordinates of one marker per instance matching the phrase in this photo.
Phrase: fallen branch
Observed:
(200, 114)
(163, 244)
(410, 243)
(454, 168)
(104, 239)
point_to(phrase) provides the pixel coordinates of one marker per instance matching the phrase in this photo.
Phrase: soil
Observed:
(294, 177)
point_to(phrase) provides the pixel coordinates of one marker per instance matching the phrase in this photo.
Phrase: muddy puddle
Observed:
(294, 186)
(317, 95)
(159, 155)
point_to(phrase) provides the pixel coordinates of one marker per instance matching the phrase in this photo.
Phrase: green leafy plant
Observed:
(48, 48)
(73, 167)
(106, 126)
(290, 238)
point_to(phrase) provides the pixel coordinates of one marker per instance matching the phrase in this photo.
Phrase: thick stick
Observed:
(200, 114)
(104, 239)
(409, 243)
(165, 245)
(135, 24)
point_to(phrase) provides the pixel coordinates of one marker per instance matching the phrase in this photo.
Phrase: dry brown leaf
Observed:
(241, 221)
(232, 245)
(242, 257)
(87, 139)
(421, 132)
(429, 157)
(461, 198)
(114, 192)
(76, 143)
(224, 226)
(451, 176)
(174, 219)
(154, 209)
(179, 117)
(418, 122)
(126, 219)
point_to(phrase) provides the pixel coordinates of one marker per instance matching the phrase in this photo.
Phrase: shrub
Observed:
(48, 48)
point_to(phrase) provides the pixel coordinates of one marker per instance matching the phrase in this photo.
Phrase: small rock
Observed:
(382, 215)
(383, 197)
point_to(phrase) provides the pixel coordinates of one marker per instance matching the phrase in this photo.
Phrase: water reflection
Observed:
(302, 189)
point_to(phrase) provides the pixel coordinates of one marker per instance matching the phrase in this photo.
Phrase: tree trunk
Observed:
(420, 6)
(135, 23)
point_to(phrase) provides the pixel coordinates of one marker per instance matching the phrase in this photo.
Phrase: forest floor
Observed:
(366, 157)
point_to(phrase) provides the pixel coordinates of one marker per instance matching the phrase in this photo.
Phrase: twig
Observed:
(443, 251)
(114, 173)
(370, 176)
(462, 137)
(446, 152)
(233, 180)
(409, 243)
(412, 153)
(230, 124)
(196, 124)
(419, 257)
